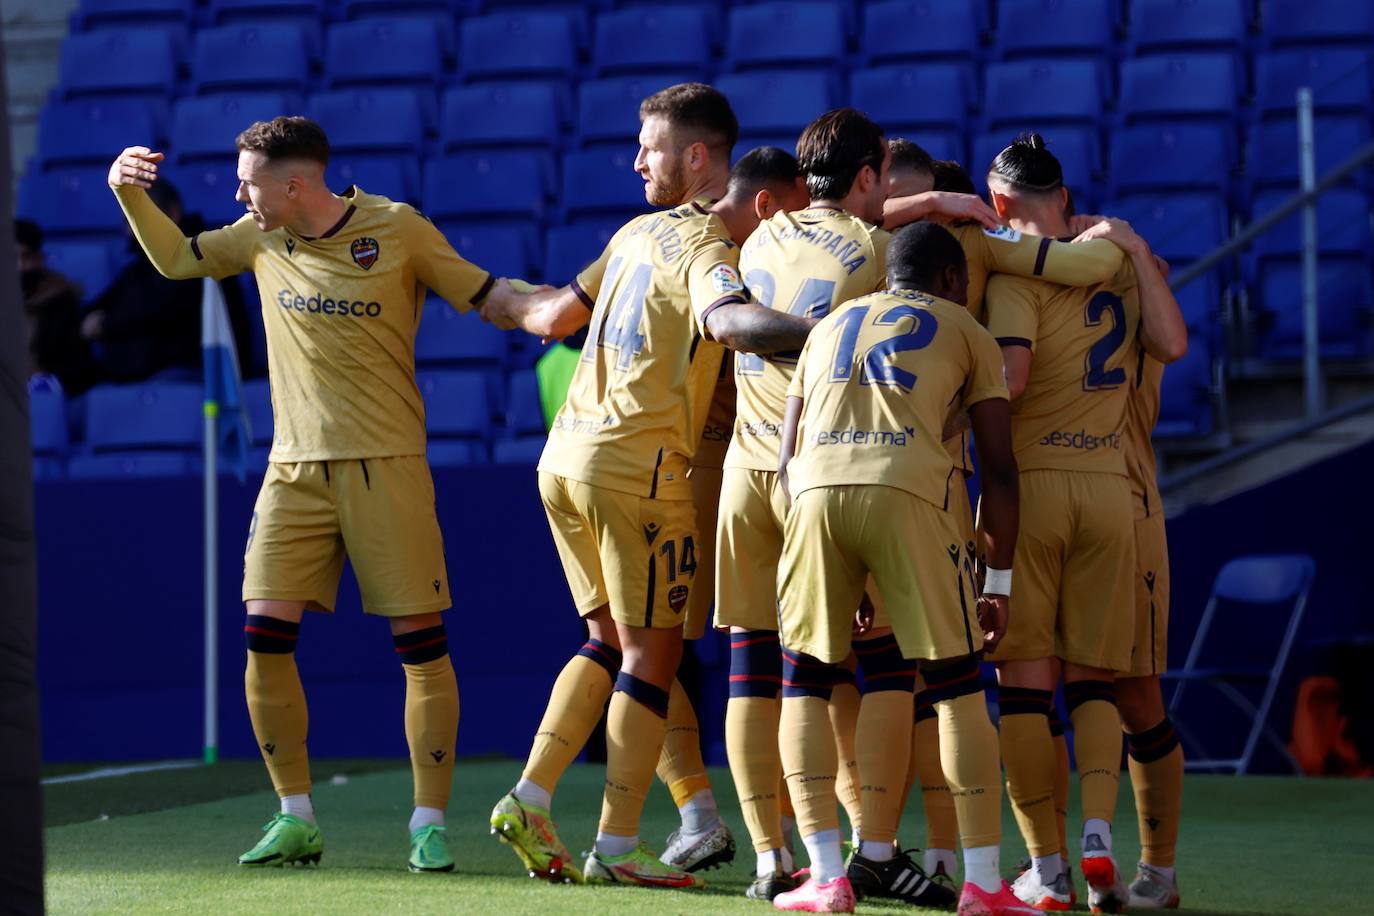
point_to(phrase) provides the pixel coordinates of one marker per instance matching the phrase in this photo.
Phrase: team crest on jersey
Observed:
(677, 598)
(1005, 233)
(725, 279)
(365, 252)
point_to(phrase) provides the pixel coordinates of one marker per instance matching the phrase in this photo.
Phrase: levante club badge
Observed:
(365, 252)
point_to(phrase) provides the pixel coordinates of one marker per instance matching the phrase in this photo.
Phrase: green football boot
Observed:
(287, 840)
(429, 851)
(528, 829)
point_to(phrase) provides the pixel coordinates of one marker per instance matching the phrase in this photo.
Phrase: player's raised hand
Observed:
(1116, 231)
(993, 611)
(136, 166)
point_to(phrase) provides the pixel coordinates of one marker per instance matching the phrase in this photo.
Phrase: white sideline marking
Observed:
(110, 772)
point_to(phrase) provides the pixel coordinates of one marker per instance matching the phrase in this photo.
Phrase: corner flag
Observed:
(223, 382)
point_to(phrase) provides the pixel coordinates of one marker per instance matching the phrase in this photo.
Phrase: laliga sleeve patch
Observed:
(1005, 233)
(725, 280)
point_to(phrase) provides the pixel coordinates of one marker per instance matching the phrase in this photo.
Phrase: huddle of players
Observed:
(862, 361)
(866, 409)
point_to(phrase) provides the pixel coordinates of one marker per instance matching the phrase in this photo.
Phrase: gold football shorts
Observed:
(636, 554)
(377, 511)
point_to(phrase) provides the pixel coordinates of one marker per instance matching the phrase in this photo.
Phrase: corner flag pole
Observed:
(211, 743)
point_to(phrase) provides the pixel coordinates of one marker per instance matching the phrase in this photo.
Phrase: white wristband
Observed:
(997, 582)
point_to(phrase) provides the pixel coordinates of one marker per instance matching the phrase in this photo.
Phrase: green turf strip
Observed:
(1255, 845)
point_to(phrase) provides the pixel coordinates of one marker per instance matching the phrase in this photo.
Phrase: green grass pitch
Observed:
(166, 843)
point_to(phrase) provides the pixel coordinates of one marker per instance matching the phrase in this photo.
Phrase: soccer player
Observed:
(803, 263)
(763, 182)
(1069, 352)
(910, 170)
(870, 484)
(1155, 755)
(662, 299)
(342, 278)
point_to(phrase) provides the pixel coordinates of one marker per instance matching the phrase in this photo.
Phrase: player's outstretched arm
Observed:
(167, 248)
(1163, 332)
(948, 205)
(791, 417)
(549, 313)
(752, 328)
(1000, 509)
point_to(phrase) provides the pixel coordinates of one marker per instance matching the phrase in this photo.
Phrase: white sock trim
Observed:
(982, 866)
(425, 817)
(609, 844)
(699, 814)
(532, 793)
(827, 862)
(299, 806)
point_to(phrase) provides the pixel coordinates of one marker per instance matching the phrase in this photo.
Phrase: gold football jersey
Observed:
(1072, 414)
(1008, 251)
(1142, 413)
(804, 262)
(341, 313)
(643, 385)
(879, 378)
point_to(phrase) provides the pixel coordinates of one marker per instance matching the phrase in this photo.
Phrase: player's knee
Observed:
(1140, 702)
(950, 679)
(290, 611)
(1035, 674)
(651, 655)
(883, 666)
(755, 663)
(807, 676)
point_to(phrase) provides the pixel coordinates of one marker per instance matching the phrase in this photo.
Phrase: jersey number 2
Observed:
(1097, 377)
(616, 327)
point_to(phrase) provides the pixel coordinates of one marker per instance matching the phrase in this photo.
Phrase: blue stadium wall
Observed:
(120, 611)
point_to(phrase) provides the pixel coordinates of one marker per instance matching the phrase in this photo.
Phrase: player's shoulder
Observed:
(1004, 284)
(699, 228)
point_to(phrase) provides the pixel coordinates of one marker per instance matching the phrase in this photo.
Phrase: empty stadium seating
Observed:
(513, 124)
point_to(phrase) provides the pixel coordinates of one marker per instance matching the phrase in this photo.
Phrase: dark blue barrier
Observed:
(120, 611)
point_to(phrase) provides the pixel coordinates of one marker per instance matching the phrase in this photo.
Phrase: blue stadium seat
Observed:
(524, 413)
(449, 453)
(1065, 91)
(1342, 225)
(457, 407)
(501, 250)
(90, 130)
(386, 119)
(1078, 150)
(1027, 28)
(651, 39)
(86, 263)
(208, 187)
(398, 51)
(800, 34)
(901, 96)
(119, 61)
(517, 45)
(145, 416)
(272, 56)
(602, 181)
(1185, 408)
(579, 13)
(134, 463)
(571, 248)
(1181, 85)
(521, 451)
(940, 144)
(608, 109)
(448, 337)
(204, 127)
(307, 14)
(775, 104)
(500, 114)
(1201, 305)
(1172, 156)
(465, 185)
(48, 422)
(70, 202)
(916, 30)
(357, 9)
(1179, 227)
(1338, 77)
(99, 14)
(257, 401)
(394, 176)
(1314, 22)
(1168, 25)
(1272, 151)
(1345, 297)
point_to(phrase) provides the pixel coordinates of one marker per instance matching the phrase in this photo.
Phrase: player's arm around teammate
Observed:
(1163, 332)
